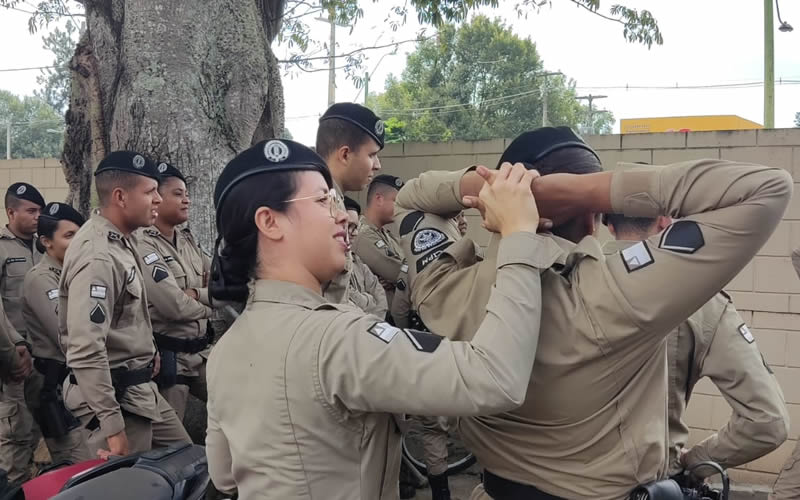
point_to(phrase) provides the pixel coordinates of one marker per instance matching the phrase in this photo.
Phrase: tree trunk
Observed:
(189, 82)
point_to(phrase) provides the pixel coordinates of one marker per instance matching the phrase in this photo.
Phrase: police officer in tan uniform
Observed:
(715, 342)
(10, 362)
(66, 439)
(175, 274)
(366, 291)
(595, 422)
(104, 324)
(787, 486)
(349, 138)
(18, 433)
(323, 383)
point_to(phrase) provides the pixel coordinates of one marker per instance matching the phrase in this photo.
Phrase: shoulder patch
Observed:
(159, 274)
(423, 341)
(380, 244)
(383, 331)
(97, 314)
(114, 236)
(14, 260)
(400, 285)
(131, 275)
(97, 291)
(683, 236)
(637, 256)
(150, 258)
(404, 268)
(410, 222)
(423, 261)
(151, 232)
(746, 333)
(425, 239)
(52, 294)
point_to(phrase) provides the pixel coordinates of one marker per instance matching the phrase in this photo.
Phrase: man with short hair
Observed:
(175, 273)
(366, 291)
(104, 324)
(18, 254)
(714, 342)
(349, 138)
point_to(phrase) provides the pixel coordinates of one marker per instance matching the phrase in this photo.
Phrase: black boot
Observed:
(440, 489)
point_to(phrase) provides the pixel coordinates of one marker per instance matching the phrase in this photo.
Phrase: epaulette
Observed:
(151, 232)
(114, 236)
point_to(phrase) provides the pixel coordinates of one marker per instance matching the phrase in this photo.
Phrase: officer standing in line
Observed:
(595, 425)
(175, 273)
(366, 291)
(349, 138)
(104, 324)
(375, 244)
(18, 254)
(66, 439)
(715, 342)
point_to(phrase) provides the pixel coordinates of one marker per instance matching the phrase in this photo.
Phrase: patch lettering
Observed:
(52, 294)
(423, 262)
(410, 222)
(636, 257)
(150, 258)
(14, 260)
(423, 341)
(97, 292)
(684, 236)
(746, 333)
(97, 315)
(159, 274)
(425, 239)
(383, 331)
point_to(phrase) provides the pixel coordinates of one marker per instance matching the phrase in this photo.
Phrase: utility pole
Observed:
(591, 98)
(366, 88)
(544, 94)
(332, 61)
(769, 66)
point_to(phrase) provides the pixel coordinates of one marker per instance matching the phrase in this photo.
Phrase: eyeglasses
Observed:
(330, 199)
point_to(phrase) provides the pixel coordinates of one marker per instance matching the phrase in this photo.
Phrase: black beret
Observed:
(25, 191)
(530, 147)
(128, 161)
(360, 116)
(351, 204)
(62, 211)
(274, 155)
(166, 170)
(389, 180)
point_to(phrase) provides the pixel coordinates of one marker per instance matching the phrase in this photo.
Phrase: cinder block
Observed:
(743, 281)
(796, 163)
(721, 138)
(4, 178)
(705, 386)
(774, 461)
(772, 344)
(52, 163)
(787, 378)
(667, 156)
(31, 163)
(793, 354)
(773, 156)
(427, 148)
(793, 210)
(43, 178)
(697, 435)
(485, 159)
(794, 233)
(655, 141)
(698, 412)
(603, 142)
(13, 163)
(794, 418)
(779, 137)
(20, 175)
(747, 316)
(720, 412)
(776, 275)
(55, 194)
(610, 158)
(740, 476)
(774, 321)
(493, 146)
(391, 150)
(752, 301)
(61, 181)
(779, 244)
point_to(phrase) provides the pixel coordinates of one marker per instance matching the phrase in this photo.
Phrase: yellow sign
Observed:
(686, 124)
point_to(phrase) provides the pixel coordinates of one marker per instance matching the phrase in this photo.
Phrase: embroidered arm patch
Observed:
(684, 236)
(52, 294)
(746, 333)
(636, 257)
(150, 258)
(159, 274)
(97, 291)
(425, 239)
(423, 341)
(383, 331)
(97, 314)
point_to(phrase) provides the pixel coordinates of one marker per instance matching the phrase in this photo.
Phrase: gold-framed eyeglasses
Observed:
(330, 199)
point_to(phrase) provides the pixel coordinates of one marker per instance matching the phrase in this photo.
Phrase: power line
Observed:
(4, 70)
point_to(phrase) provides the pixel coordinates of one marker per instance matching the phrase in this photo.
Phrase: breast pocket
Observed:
(15, 270)
(178, 273)
(128, 309)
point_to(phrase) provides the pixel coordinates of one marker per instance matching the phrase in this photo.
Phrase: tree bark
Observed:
(189, 82)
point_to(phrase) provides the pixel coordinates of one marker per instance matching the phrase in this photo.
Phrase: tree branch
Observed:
(348, 54)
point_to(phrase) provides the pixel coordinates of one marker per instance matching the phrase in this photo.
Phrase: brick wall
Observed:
(46, 174)
(767, 291)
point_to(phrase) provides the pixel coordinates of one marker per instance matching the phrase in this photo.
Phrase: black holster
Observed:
(54, 419)
(168, 374)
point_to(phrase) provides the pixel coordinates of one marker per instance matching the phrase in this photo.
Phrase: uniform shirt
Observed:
(715, 342)
(17, 257)
(168, 270)
(104, 322)
(381, 252)
(8, 353)
(337, 290)
(40, 308)
(366, 292)
(595, 422)
(322, 381)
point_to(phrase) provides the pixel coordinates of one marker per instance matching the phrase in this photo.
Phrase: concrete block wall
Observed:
(767, 291)
(44, 173)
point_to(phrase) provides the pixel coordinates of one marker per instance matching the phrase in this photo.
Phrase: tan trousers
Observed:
(177, 395)
(434, 436)
(19, 434)
(787, 485)
(143, 434)
(479, 493)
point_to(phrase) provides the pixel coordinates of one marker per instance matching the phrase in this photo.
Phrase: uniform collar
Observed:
(50, 262)
(7, 234)
(614, 246)
(284, 292)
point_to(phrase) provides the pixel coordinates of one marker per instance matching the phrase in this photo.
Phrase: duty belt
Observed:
(191, 346)
(122, 378)
(54, 372)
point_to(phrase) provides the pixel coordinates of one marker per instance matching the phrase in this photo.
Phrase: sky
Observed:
(707, 42)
